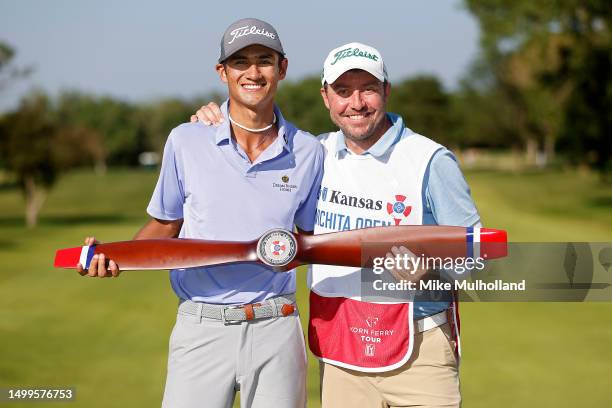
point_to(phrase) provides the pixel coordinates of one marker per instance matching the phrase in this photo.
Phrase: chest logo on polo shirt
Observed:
(398, 210)
(285, 185)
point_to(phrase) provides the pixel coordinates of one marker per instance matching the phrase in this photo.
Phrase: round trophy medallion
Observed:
(277, 247)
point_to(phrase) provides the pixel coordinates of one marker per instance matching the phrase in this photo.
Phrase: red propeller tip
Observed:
(493, 243)
(67, 258)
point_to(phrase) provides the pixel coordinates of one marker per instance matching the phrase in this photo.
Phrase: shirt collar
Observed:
(387, 140)
(224, 133)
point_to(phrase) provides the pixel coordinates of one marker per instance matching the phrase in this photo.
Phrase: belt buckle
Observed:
(230, 321)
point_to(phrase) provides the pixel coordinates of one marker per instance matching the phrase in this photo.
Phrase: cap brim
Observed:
(248, 45)
(330, 79)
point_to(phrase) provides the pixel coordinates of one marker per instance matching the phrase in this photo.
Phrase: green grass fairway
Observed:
(108, 337)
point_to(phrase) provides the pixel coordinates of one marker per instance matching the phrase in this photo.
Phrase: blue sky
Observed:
(141, 50)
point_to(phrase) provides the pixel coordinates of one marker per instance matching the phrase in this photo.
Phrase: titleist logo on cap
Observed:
(353, 52)
(353, 56)
(248, 30)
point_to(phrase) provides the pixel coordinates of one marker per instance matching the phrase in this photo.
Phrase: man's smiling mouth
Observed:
(359, 116)
(252, 87)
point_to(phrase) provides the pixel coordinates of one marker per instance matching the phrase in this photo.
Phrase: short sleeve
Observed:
(168, 197)
(448, 194)
(450, 201)
(305, 215)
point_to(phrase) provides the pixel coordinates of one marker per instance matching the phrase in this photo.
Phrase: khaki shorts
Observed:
(429, 379)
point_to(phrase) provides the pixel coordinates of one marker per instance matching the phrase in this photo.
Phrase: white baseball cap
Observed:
(353, 56)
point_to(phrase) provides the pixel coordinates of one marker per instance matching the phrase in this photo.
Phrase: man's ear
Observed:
(220, 68)
(387, 90)
(324, 96)
(282, 69)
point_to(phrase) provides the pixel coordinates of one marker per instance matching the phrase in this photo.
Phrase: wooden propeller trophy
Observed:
(283, 250)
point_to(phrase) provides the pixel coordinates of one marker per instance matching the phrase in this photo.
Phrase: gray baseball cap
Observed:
(249, 31)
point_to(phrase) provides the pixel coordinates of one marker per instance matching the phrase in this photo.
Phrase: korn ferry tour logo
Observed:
(371, 321)
(370, 335)
(250, 30)
(399, 210)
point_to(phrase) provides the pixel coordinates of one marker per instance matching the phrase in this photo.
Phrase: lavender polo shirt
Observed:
(207, 179)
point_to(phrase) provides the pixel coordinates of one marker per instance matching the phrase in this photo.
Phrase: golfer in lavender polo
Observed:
(237, 326)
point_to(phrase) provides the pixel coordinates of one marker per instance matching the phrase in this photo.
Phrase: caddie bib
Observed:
(361, 191)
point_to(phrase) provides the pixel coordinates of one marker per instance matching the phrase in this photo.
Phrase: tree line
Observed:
(542, 82)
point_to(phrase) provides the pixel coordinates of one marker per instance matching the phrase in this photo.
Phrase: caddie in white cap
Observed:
(378, 172)
(355, 90)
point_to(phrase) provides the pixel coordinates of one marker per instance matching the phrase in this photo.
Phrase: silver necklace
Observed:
(263, 129)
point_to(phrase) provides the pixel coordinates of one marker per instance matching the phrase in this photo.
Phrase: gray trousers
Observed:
(209, 361)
